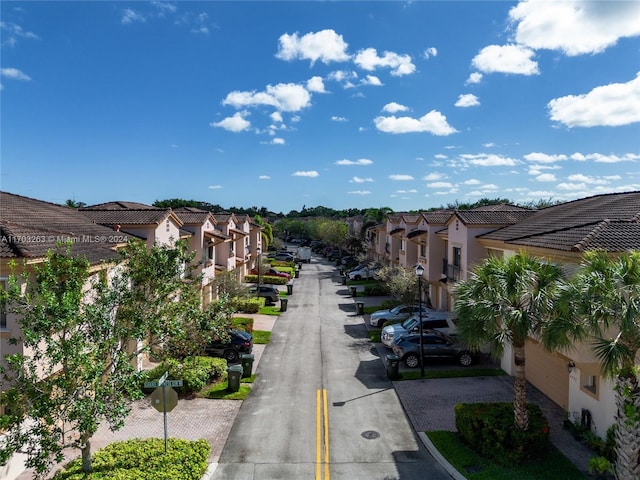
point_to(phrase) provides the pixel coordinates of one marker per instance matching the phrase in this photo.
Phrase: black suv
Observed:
(270, 293)
(239, 342)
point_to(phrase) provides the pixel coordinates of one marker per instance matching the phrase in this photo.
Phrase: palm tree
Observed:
(504, 301)
(602, 307)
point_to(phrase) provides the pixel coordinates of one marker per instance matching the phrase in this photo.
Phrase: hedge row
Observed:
(195, 372)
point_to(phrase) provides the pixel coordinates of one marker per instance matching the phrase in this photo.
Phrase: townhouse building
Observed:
(451, 243)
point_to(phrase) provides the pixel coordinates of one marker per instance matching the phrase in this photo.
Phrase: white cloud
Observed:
(14, 74)
(600, 158)
(361, 161)
(546, 177)
(278, 141)
(325, 45)
(400, 177)
(215, 187)
(310, 174)
(579, 177)
(361, 180)
(369, 60)
(371, 80)
(475, 77)
(276, 117)
(342, 75)
(574, 27)
(359, 192)
(413, 190)
(430, 52)
(572, 186)
(608, 105)
(394, 107)
(433, 122)
(440, 185)
(164, 7)
(336, 118)
(434, 176)
(467, 100)
(235, 123)
(14, 32)
(489, 145)
(129, 16)
(316, 84)
(489, 160)
(472, 181)
(506, 59)
(286, 97)
(264, 177)
(539, 157)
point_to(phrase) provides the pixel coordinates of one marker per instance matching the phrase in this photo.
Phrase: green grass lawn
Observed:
(474, 467)
(261, 337)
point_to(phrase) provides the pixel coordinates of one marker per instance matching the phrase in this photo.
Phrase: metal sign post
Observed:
(164, 398)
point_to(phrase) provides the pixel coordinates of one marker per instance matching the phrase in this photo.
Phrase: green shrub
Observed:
(273, 280)
(195, 373)
(489, 429)
(375, 289)
(144, 458)
(247, 304)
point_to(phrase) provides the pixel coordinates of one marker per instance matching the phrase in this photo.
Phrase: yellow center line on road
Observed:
(322, 434)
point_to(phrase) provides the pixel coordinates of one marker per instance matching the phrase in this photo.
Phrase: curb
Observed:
(455, 474)
(208, 475)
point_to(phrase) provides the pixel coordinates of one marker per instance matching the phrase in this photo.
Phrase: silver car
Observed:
(397, 314)
(392, 334)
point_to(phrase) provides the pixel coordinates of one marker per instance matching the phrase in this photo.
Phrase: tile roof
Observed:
(194, 216)
(153, 216)
(610, 222)
(30, 227)
(492, 217)
(437, 216)
(122, 206)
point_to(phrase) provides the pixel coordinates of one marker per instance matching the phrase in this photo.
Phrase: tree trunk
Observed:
(627, 465)
(86, 454)
(520, 412)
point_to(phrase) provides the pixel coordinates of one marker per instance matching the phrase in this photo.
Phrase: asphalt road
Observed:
(322, 406)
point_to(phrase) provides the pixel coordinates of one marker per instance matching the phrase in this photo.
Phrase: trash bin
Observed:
(344, 279)
(360, 308)
(354, 291)
(246, 359)
(283, 304)
(393, 364)
(234, 374)
(297, 273)
(289, 288)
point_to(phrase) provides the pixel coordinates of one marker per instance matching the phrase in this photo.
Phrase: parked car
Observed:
(283, 257)
(397, 314)
(269, 292)
(239, 342)
(362, 273)
(272, 272)
(434, 345)
(393, 333)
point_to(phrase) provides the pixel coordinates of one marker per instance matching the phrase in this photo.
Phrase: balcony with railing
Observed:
(451, 271)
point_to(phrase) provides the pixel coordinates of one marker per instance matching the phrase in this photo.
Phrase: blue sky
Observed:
(407, 105)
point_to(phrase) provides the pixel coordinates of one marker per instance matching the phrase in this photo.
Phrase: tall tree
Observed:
(504, 301)
(602, 308)
(82, 333)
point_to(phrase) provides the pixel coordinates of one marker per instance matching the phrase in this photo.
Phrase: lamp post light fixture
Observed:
(419, 272)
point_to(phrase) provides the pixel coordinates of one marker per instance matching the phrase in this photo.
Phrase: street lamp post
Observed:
(259, 266)
(419, 272)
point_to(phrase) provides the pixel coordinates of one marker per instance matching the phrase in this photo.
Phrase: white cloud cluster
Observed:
(574, 27)
(467, 100)
(369, 60)
(325, 45)
(608, 105)
(130, 16)
(515, 59)
(433, 122)
(234, 123)
(14, 74)
(360, 161)
(285, 97)
(401, 177)
(13, 32)
(488, 160)
(310, 174)
(394, 107)
(360, 180)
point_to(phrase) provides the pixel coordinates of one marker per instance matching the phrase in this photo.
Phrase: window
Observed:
(590, 383)
(423, 250)
(167, 225)
(3, 306)
(435, 324)
(457, 256)
(403, 244)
